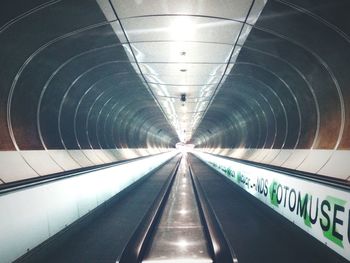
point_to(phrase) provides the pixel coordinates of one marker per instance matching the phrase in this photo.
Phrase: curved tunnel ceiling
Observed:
(89, 75)
(289, 85)
(286, 100)
(69, 84)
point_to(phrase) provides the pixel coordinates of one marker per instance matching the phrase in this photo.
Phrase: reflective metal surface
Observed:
(179, 236)
(194, 43)
(293, 67)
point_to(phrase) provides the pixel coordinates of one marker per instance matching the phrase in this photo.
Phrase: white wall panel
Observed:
(282, 156)
(128, 153)
(80, 158)
(93, 157)
(315, 160)
(296, 158)
(109, 154)
(23, 222)
(64, 159)
(336, 165)
(261, 154)
(225, 151)
(143, 151)
(255, 153)
(13, 167)
(238, 153)
(115, 152)
(216, 151)
(102, 156)
(41, 162)
(62, 208)
(271, 155)
(248, 153)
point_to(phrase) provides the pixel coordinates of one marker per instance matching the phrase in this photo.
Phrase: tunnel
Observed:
(106, 104)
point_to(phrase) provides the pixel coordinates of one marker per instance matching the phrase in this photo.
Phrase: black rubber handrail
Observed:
(135, 249)
(31, 182)
(322, 179)
(221, 250)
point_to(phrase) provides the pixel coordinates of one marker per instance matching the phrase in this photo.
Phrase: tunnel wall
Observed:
(286, 100)
(70, 96)
(323, 162)
(22, 165)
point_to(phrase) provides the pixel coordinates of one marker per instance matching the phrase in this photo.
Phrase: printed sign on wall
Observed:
(322, 211)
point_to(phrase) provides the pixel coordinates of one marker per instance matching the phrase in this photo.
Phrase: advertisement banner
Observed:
(322, 211)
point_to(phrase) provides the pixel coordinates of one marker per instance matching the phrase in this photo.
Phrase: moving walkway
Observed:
(185, 211)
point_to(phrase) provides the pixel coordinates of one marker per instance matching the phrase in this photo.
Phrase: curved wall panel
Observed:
(72, 93)
(286, 100)
(69, 95)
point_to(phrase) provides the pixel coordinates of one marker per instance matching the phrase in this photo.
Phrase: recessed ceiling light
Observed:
(183, 97)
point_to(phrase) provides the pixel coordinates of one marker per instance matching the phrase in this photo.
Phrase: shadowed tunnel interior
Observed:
(85, 83)
(288, 88)
(74, 87)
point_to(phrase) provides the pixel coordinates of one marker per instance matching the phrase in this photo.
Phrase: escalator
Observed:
(180, 229)
(162, 218)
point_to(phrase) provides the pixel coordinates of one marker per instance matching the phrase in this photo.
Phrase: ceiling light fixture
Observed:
(183, 97)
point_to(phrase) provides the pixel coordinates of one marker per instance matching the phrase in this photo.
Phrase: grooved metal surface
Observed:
(179, 235)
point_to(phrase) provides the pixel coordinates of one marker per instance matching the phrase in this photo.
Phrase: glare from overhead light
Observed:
(183, 89)
(183, 211)
(182, 29)
(185, 36)
(182, 243)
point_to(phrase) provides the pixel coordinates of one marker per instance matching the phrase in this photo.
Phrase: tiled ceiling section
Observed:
(183, 49)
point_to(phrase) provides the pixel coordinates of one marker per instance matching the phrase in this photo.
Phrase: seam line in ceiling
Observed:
(227, 66)
(138, 66)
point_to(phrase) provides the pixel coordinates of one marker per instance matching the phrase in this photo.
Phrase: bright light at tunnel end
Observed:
(183, 147)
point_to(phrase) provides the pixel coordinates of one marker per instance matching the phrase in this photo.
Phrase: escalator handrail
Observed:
(222, 251)
(135, 248)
